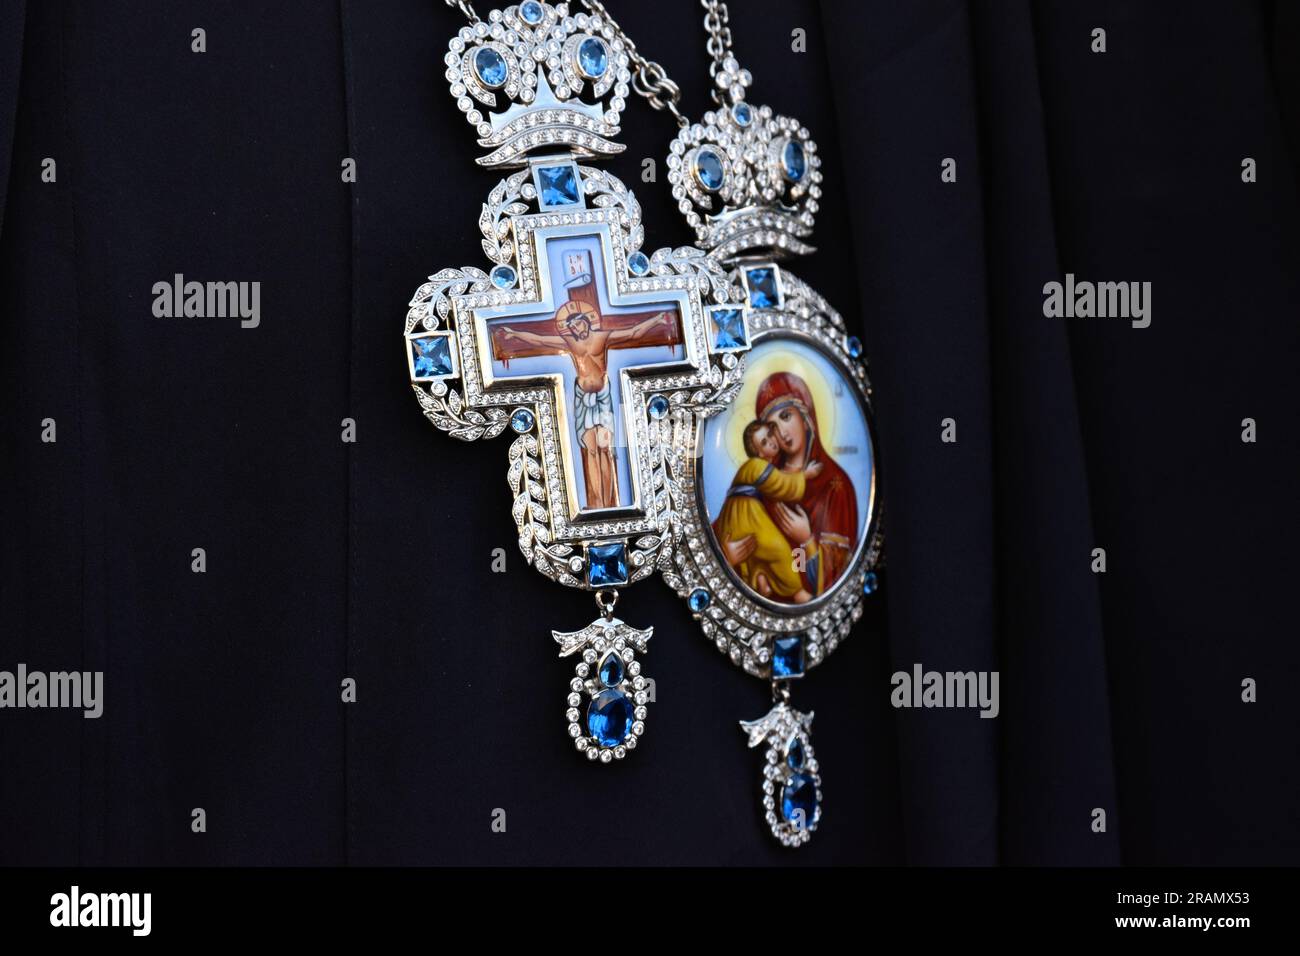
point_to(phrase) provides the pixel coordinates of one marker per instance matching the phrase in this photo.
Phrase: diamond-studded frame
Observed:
(552, 533)
(741, 625)
(472, 313)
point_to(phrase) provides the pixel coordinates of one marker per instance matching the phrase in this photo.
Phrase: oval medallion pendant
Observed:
(779, 519)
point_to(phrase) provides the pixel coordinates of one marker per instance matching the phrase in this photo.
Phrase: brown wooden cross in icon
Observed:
(587, 330)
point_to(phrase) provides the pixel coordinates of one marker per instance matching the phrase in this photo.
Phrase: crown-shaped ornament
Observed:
(532, 77)
(746, 179)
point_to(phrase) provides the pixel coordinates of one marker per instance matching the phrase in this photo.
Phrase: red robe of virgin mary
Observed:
(829, 499)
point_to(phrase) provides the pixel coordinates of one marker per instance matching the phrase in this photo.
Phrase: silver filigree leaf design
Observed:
(494, 221)
(532, 517)
(609, 191)
(688, 260)
(523, 459)
(449, 413)
(434, 297)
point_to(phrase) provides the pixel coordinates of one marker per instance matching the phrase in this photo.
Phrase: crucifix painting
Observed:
(586, 333)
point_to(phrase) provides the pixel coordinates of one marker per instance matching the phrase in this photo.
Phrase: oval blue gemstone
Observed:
(698, 600)
(658, 407)
(794, 161)
(742, 114)
(503, 277)
(638, 264)
(531, 12)
(708, 169)
(794, 754)
(870, 583)
(522, 420)
(611, 670)
(609, 717)
(854, 345)
(593, 59)
(799, 797)
(490, 67)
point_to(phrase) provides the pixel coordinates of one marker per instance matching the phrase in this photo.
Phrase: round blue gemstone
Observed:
(794, 754)
(503, 277)
(531, 12)
(742, 114)
(638, 264)
(657, 407)
(609, 717)
(799, 797)
(522, 420)
(593, 58)
(698, 600)
(709, 170)
(490, 67)
(870, 583)
(611, 670)
(794, 161)
(854, 345)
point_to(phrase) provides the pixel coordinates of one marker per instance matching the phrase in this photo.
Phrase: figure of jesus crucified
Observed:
(584, 340)
(582, 335)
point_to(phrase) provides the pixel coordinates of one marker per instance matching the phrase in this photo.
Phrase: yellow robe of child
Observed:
(744, 514)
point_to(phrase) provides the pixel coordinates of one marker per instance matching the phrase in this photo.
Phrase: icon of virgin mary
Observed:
(820, 529)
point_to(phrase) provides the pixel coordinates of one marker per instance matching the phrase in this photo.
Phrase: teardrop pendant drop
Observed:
(792, 794)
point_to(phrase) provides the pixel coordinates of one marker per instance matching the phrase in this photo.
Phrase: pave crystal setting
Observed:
(608, 676)
(791, 788)
(535, 77)
(745, 178)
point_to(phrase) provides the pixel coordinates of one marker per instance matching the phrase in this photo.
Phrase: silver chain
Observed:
(718, 45)
(465, 7)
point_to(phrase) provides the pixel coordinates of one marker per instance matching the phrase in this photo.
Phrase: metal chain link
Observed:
(465, 7)
(718, 45)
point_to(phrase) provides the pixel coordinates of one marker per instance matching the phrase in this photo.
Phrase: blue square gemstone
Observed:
(606, 564)
(730, 324)
(787, 657)
(558, 185)
(431, 356)
(763, 290)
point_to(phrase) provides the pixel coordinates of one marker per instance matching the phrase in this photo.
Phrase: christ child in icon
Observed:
(769, 569)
